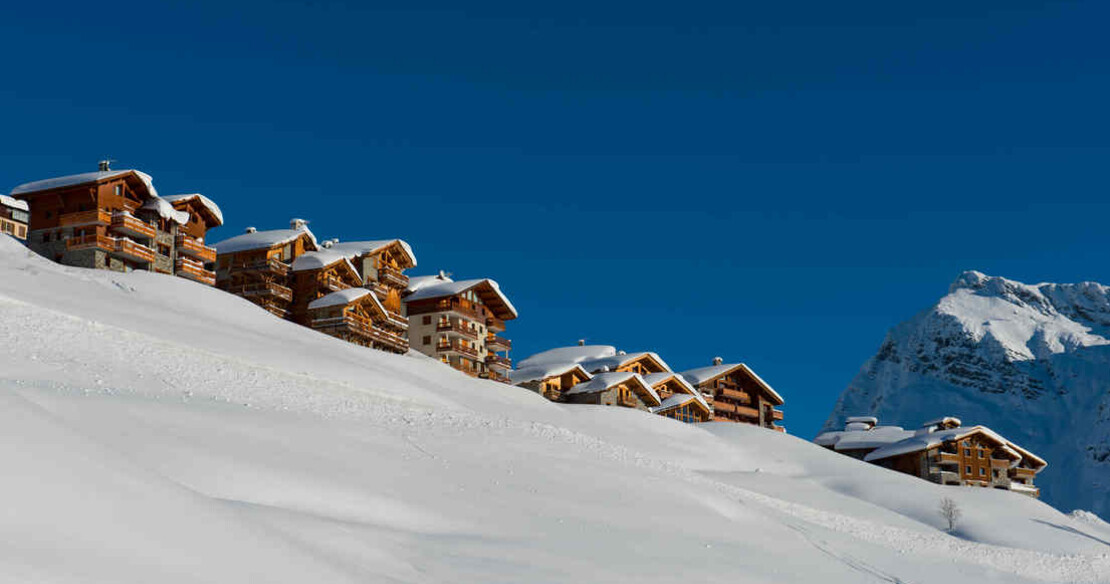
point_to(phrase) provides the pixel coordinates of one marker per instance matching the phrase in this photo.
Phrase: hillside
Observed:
(155, 430)
(1031, 361)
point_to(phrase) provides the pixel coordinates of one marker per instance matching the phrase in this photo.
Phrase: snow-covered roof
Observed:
(485, 287)
(14, 203)
(361, 248)
(943, 421)
(80, 179)
(618, 360)
(863, 420)
(657, 379)
(609, 380)
(165, 210)
(705, 374)
(262, 240)
(565, 355)
(316, 260)
(863, 438)
(545, 371)
(675, 401)
(340, 298)
(924, 441)
(203, 201)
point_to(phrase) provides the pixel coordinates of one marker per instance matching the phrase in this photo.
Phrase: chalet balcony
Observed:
(1023, 473)
(391, 276)
(496, 343)
(128, 224)
(499, 361)
(778, 429)
(946, 458)
(94, 217)
(194, 270)
(90, 242)
(352, 325)
(136, 252)
(776, 415)
(194, 248)
(271, 266)
(333, 283)
(457, 347)
(735, 395)
(454, 305)
(457, 328)
(494, 375)
(263, 289)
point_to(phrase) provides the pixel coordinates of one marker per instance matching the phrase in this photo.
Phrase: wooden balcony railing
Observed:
(457, 347)
(264, 289)
(94, 217)
(735, 395)
(134, 251)
(194, 247)
(776, 415)
(460, 307)
(271, 265)
(91, 242)
(457, 328)
(393, 277)
(353, 324)
(1000, 463)
(496, 343)
(499, 361)
(127, 224)
(194, 270)
(1023, 473)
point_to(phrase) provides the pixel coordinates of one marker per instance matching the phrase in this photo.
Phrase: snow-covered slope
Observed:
(1032, 362)
(155, 430)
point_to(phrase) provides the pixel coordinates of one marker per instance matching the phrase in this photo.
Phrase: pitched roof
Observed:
(657, 379)
(361, 248)
(567, 355)
(14, 203)
(316, 260)
(165, 210)
(613, 362)
(705, 374)
(919, 441)
(486, 288)
(340, 298)
(544, 371)
(203, 201)
(80, 179)
(262, 240)
(603, 381)
(676, 401)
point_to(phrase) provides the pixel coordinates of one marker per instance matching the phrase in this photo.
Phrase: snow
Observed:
(79, 179)
(156, 430)
(340, 298)
(14, 203)
(261, 240)
(360, 248)
(425, 289)
(704, 374)
(613, 362)
(923, 441)
(166, 210)
(674, 401)
(654, 379)
(567, 355)
(318, 260)
(203, 200)
(604, 381)
(544, 371)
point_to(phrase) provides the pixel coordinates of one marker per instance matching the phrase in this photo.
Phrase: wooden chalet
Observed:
(257, 265)
(195, 259)
(940, 451)
(357, 315)
(14, 217)
(458, 323)
(737, 394)
(112, 219)
(603, 375)
(614, 388)
(679, 399)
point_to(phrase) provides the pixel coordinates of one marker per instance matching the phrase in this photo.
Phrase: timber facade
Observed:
(941, 451)
(461, 324)
(115, 220)
(737, 394)
(15, 215)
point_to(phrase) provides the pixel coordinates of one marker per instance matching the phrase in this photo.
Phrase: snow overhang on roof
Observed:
(564, 355)
(544, 372)
(318, 260)
(83, 178)
(605, 381)
(706, 374)
(676, 401)
(262, 240)
(355, 249)
(657, 380)
(201, 200)
(918, 442)
(619, 360)
(485, 288)
(340, 298)
(14, 203)
(165, 210)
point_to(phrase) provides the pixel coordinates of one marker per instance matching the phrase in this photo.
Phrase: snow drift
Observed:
(156, 430)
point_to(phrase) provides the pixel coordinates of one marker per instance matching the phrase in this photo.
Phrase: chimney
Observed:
(328, 243)
(718, 360)
(252, 230)
(581, 342)
(621, 353)
(297, 224)
(442, 275)
(104, 165)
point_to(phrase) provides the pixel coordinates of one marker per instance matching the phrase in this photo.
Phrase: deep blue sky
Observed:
(772, 182)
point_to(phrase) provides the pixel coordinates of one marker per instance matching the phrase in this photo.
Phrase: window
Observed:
(427, 340)
(119, 190)
(982, 454)
(427, 320)
(967, 470)
(967, 452)
(982, 472)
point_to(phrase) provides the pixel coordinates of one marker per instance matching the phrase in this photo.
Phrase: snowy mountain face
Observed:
(1030, 361)
(156, 430)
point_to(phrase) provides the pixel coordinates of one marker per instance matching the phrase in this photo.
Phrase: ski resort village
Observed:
(182, 404)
